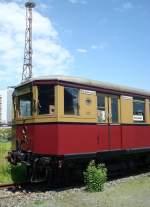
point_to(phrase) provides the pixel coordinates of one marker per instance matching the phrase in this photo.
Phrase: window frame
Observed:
(105, 96)
(17, 105)
(118, 109)
(78, 102)
(139, 100)
(108, 108)
(37, 101)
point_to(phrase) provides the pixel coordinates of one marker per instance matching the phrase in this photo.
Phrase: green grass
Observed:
(5, 134)
(5, 167)
(133, 192)
(8, 172)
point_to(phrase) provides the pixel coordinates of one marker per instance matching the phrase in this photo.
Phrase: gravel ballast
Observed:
(131, 191)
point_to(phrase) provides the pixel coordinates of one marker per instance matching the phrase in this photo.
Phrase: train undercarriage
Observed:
(67, 169)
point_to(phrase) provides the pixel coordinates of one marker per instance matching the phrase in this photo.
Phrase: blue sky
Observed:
(107, 40)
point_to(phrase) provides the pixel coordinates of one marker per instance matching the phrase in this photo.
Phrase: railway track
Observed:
(29, 197)
(13, 185)
(17, 191)
(112, 175)
(13, 188)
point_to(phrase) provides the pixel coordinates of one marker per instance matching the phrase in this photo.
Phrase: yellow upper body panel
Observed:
(86, 107)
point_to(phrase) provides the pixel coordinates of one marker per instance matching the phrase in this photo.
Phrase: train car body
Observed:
(63, 118)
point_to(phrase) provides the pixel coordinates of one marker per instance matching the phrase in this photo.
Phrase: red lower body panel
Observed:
(77, 138)
(103, 133)
(64, 138)
(42, 138)
(135, 136)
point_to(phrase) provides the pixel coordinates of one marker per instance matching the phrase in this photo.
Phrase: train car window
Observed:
(114, 109)
(71, 101)
(138, 110)
(101, 108)
(46, 99)
(25, 103)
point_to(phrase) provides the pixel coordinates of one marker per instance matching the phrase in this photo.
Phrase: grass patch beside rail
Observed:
(129, 192)
(8, 172)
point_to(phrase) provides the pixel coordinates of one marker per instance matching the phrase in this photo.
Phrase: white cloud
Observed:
(43, 6)
(125, 6)
(49, 56)
(81, 50)
(100, 46)
(73, 1)
(94, 47)
(78, 1)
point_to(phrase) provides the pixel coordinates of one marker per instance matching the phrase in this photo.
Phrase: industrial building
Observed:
(0, 109)
(6, 106)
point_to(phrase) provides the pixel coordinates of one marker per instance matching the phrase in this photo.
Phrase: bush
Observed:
(5, 134)
(95, 177)
(13, 174)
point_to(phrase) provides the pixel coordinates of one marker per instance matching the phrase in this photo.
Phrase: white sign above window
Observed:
(87, 92)
(138, 118)
(127, 97)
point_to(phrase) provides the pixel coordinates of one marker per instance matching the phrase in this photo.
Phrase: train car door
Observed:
(102, 119)
(108, 116)
(114, 128)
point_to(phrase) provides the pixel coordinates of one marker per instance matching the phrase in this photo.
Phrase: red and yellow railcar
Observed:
(62, 118)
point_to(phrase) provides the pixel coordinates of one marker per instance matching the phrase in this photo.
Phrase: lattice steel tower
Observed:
(27, 66)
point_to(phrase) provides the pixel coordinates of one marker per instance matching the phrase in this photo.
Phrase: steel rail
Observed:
(12, 185)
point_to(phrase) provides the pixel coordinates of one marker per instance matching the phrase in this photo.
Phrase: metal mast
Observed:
(27, 66)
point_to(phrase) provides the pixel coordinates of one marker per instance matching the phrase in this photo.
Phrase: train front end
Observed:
(34, 127)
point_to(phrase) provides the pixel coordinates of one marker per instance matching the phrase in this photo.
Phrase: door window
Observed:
(114, 110)
(107, 108)
(101, 111)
